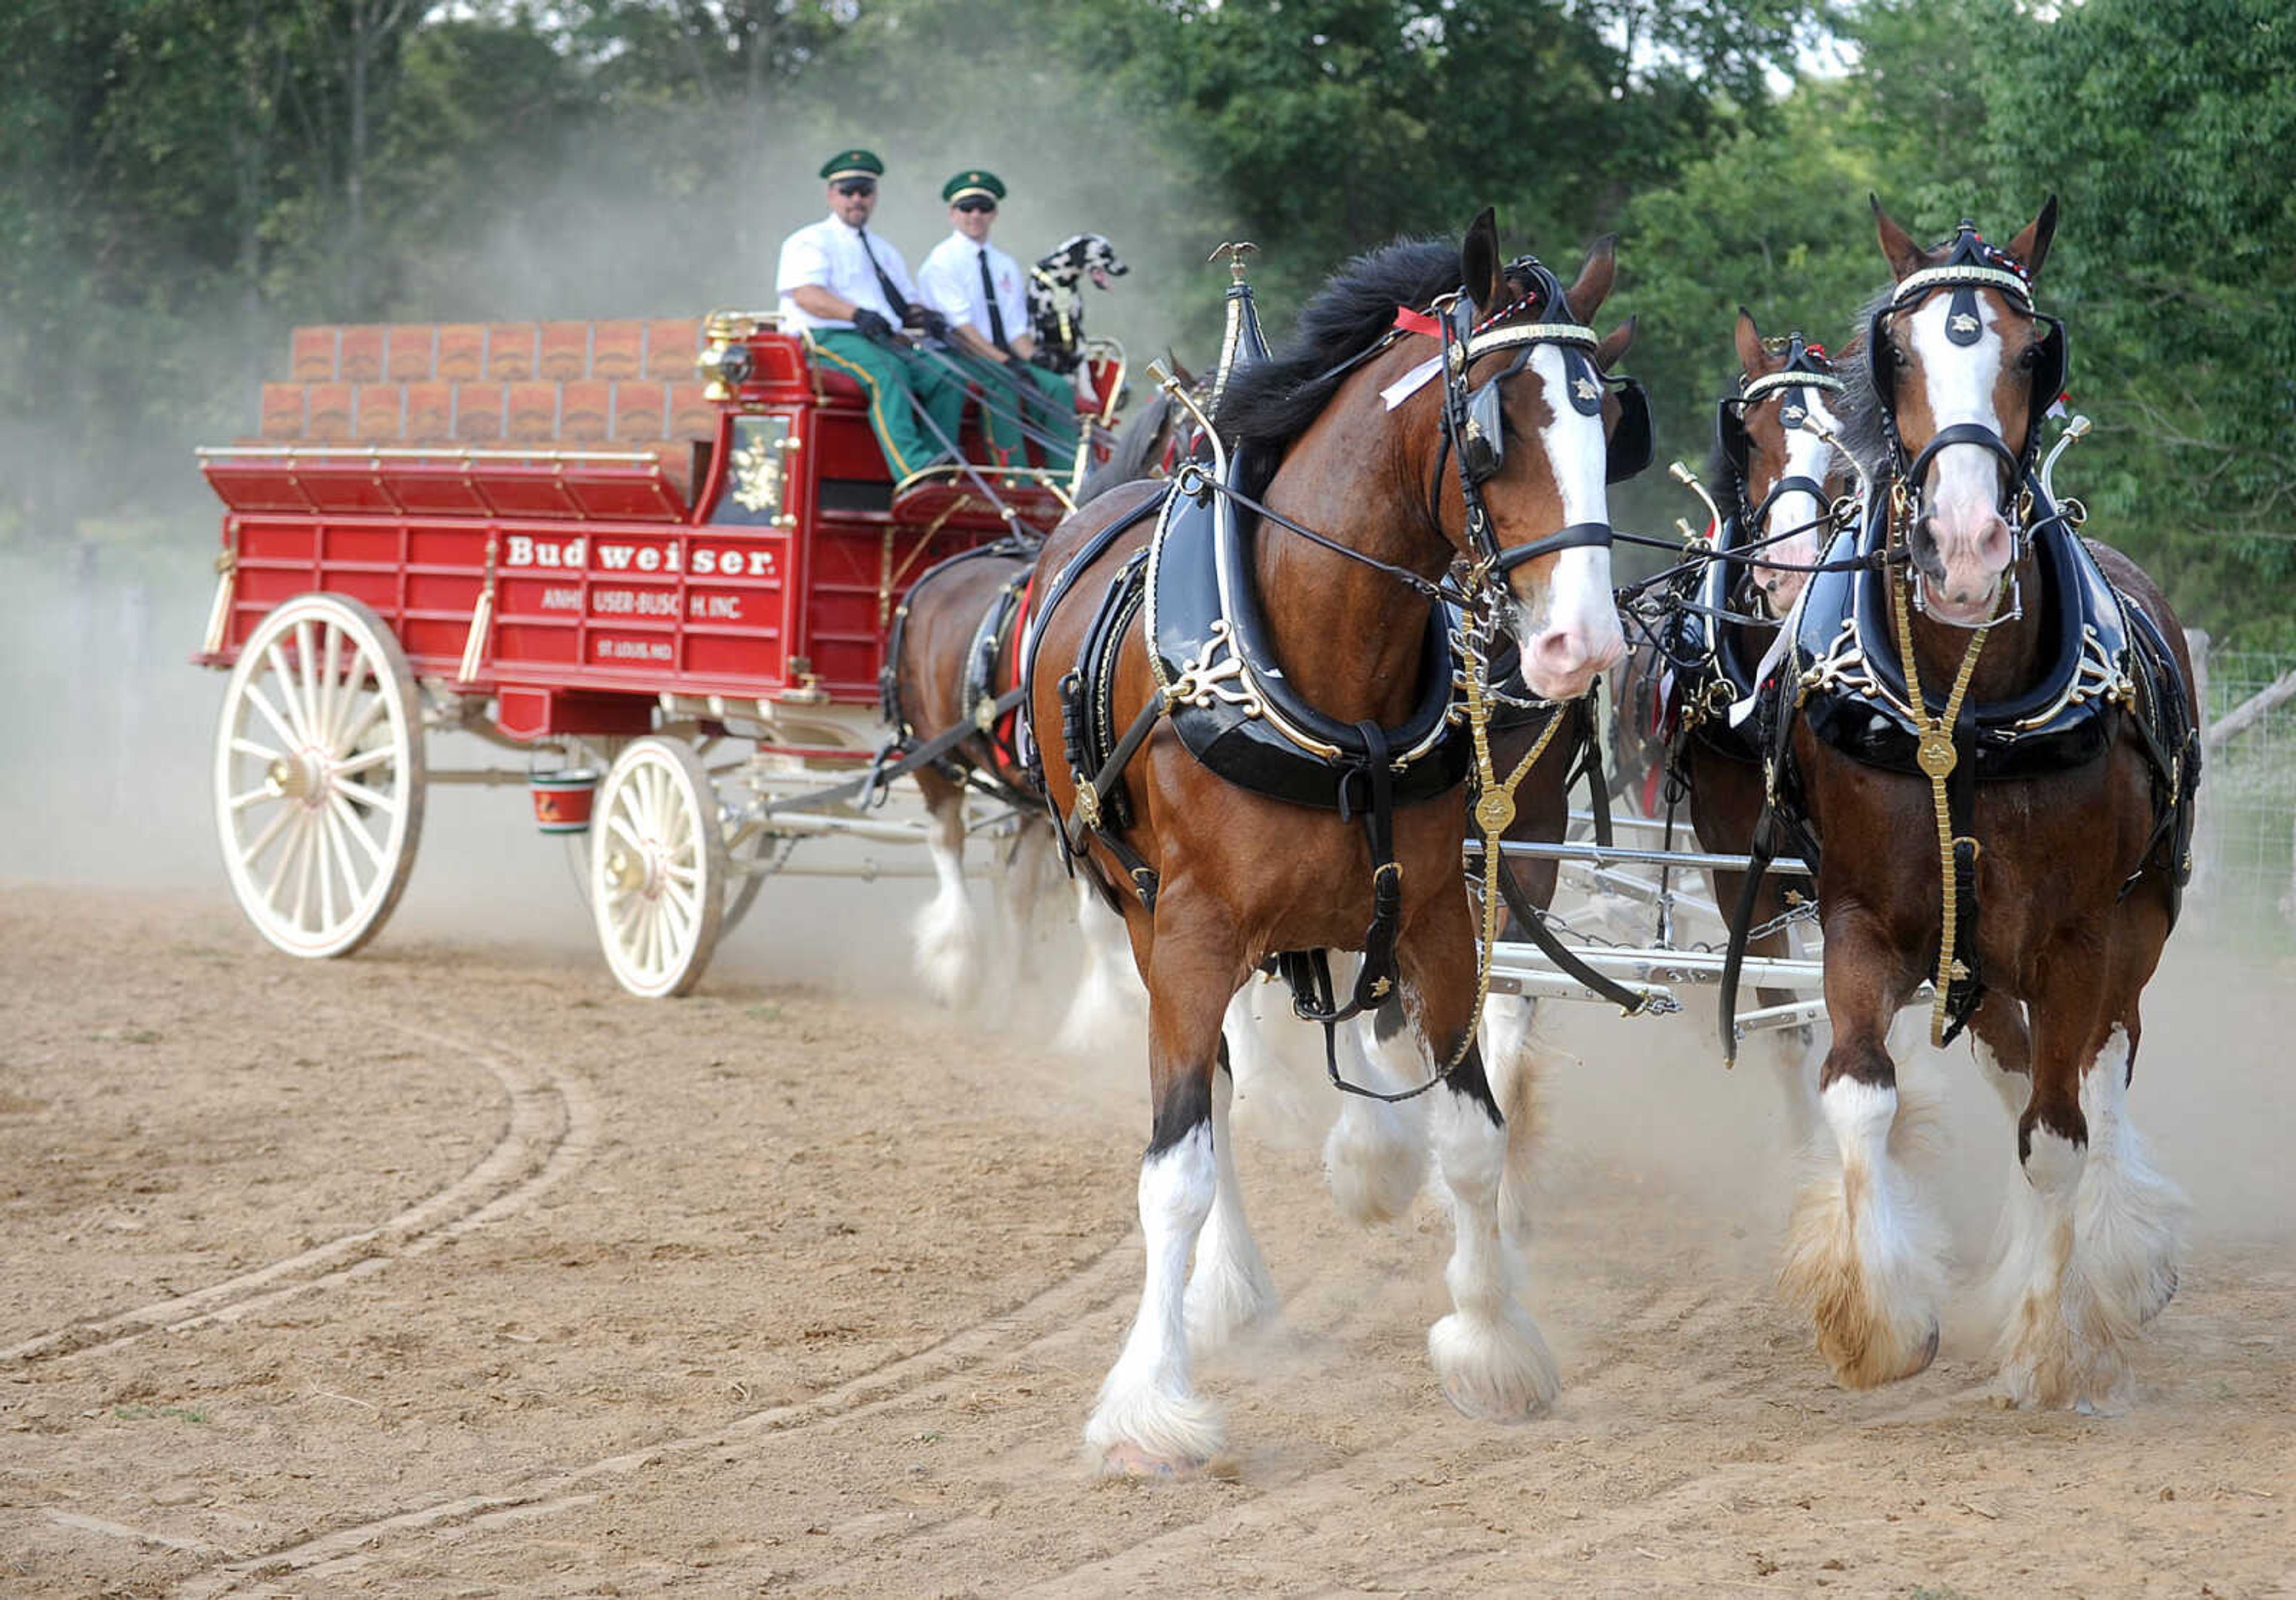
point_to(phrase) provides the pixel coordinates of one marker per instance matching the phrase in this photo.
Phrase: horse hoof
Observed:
(1130, 1461)
(1927, 1354)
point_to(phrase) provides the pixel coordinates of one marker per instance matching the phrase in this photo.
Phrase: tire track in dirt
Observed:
(1092, 1289)
(552, 1128)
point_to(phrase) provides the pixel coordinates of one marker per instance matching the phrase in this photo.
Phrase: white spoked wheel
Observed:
(657, 867)
(318, 775)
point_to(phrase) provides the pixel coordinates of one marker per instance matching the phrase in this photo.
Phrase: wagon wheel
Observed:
(657, 867)
(318, 775)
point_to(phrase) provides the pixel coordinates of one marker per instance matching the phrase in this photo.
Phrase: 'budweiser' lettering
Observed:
(527, 550)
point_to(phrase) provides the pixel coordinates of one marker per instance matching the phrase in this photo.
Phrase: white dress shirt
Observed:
(950, 278)
(830, 256)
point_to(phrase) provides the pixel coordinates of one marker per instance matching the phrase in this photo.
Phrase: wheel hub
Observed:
(300, 776)
(630, 871)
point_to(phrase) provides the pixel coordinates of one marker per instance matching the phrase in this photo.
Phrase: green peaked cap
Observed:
(972, 181)
(852, 163)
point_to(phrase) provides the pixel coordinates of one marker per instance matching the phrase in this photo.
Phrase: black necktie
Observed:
(996, 315)
(893, 295)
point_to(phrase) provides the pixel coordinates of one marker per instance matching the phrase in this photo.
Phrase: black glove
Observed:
(933, 323)
(872, 325)
(1016, 363)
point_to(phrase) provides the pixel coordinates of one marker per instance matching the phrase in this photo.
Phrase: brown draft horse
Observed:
(1776, 471)
(2076, 885)
(955, 646)
(1243, 877)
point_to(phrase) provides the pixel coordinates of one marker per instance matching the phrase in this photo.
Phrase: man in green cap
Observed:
(848, 292)
(981, 292)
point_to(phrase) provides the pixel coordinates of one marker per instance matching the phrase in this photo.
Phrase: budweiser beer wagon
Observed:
(659, 560)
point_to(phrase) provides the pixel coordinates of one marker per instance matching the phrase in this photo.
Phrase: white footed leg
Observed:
(1488, 1353)
(1019, 888)
(1279, 1100)
(1864, 1253)
(1375, 1156)
(1110, 1003)
(943, 931)
(1149, 1417)
(1230, 1289)
(2088, 1250)
(1511, 1062)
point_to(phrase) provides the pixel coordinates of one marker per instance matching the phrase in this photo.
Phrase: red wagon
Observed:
(556, 537)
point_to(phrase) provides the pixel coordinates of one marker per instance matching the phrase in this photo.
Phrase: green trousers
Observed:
(1044, 399)
(888, 378)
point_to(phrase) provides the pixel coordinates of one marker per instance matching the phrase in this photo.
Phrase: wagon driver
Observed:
(980, 289)
(850, 293)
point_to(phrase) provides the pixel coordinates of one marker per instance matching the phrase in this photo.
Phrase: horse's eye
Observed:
(2030, 358)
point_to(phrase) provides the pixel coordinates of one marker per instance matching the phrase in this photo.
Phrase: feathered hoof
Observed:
(1870, 1356)
(1153, 1434)
(1130, 1461)
(1376, 1164)
(942, 948)
(1495, 1370)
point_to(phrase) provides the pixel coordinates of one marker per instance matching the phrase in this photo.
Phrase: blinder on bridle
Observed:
(1972, 266)
(1807, 368)
(1482, 443)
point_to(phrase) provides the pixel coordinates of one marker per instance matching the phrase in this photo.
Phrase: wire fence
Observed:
(2246, 855)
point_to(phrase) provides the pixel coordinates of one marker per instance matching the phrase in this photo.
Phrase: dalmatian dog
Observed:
(1056, 302)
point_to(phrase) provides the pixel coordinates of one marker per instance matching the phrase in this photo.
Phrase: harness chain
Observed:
(1494, 811)
(1937, 757)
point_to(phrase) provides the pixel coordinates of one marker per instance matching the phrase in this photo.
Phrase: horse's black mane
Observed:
(1270, 405)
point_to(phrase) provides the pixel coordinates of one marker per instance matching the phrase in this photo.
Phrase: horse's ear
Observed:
(1905, 258)
(1479, 261)
(1614, 345)
(1750, 354)
(1593, 285)
(2032, 246)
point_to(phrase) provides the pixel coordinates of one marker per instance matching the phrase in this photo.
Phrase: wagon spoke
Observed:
(271, 831)
(365, 796)
(618, 825)
(366, 763)
(307, 665)
(675, 893)
(335, 825)
(243, 746)
(351, 734)
(262, 702)
(305, 855)
(285, 680)
(323, 699)
(247, 797)
(320, 854)
(341, 809)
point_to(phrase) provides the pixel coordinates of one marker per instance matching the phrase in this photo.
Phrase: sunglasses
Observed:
(857, 186)
(975, 202)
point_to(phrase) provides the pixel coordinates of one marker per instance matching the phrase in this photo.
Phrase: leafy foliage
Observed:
(183, 179)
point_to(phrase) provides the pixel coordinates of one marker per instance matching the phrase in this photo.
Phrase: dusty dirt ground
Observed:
(450, 1271)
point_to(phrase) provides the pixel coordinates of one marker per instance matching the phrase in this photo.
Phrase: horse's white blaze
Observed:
(1230, 1289)
(943, 929)
(1488, 1353)
(2088, 1253)
(1375, 1156)
(1109, 1003)
(1965, 489)
(1574, 632)
(1147, 1401)
(1865, 1254)
(1811, 456)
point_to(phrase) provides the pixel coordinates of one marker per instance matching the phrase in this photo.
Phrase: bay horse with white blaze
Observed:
(1378, 457)
(2005, 806)
(1777, 471)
